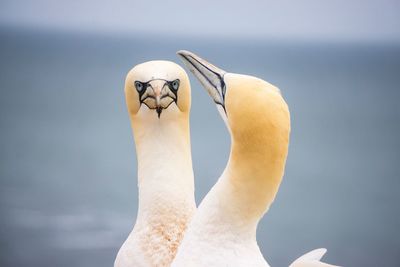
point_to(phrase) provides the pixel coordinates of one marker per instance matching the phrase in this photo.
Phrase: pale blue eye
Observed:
(139, 86)
(175, 84)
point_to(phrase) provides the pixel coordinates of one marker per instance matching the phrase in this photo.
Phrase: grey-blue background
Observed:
(68, 168)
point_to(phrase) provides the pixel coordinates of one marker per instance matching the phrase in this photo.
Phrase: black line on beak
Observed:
(159, 110)
(195, 63)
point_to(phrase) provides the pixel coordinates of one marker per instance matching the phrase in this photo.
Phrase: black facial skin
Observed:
(142, 87)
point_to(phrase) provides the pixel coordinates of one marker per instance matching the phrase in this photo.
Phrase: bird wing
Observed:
(312, 259)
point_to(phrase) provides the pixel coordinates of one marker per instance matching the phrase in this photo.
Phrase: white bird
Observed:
(223, 230)
(158, 100)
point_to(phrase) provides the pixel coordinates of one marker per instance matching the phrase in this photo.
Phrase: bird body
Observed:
(224, 227)
(223, 230)
(159, 114)
(219, 239)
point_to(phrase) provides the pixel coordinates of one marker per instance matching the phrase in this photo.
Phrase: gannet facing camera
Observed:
(158, 100)
(223, 230)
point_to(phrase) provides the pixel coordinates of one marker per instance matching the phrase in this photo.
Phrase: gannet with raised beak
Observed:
(223, 230)
(158, 100)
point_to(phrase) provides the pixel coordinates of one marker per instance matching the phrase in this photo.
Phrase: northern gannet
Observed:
(158, 100)
(223, 230)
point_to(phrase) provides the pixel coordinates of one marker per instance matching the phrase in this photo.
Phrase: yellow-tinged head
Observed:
(157, 89)
(253, 109)
(256, 115)
(259, 122)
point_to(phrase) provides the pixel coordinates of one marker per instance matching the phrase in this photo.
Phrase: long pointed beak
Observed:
(210, 76)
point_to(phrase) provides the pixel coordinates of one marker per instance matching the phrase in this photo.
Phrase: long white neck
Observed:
(166, 185)
(165, 172)
(248, 185)
(223, 231)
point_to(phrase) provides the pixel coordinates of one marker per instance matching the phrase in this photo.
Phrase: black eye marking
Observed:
(174, 86)
(144, 93)
(141, 88)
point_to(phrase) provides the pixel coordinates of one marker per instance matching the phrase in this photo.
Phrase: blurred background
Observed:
(68, 186)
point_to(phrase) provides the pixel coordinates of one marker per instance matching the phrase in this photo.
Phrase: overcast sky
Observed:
(371, 20)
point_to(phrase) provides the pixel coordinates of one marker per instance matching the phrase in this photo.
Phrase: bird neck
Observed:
(165, 172)
(252, 177)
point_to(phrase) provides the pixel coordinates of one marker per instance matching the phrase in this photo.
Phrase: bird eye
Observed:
(139, 86)
(175, 84)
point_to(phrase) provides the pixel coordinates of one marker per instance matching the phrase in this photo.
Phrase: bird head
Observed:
(157, 89)
(253, 110)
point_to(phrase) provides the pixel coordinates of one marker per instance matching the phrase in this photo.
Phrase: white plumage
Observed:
(158, 101)
(223, 230)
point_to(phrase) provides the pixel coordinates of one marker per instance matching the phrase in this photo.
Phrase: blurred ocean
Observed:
(68, 169)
